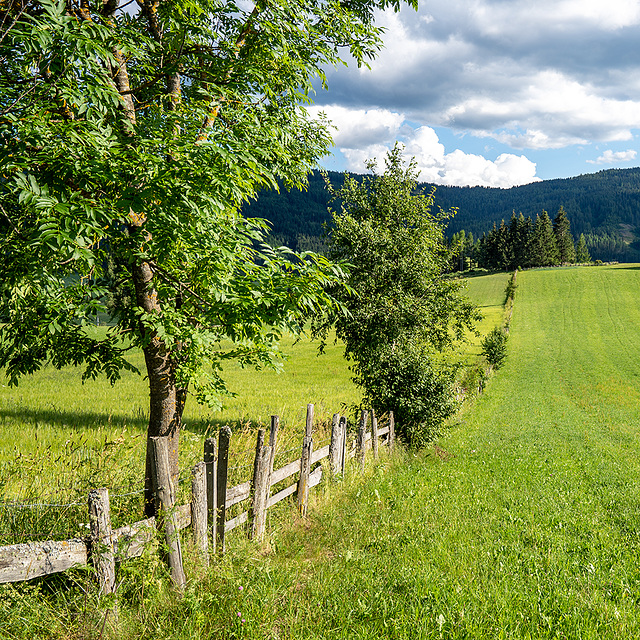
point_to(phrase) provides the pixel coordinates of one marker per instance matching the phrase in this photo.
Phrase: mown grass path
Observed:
(527, 527)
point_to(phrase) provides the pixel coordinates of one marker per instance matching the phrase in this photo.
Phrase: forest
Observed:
(604, 206)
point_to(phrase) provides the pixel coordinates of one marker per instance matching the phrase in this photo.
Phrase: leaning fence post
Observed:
(273, 436)
(199, 511)
(210, 463)
(392, 430)
(335, 448)
(374, 433)
(102, 540)
(362, 431)
(221, 486)
(305, 464)
(164, 502)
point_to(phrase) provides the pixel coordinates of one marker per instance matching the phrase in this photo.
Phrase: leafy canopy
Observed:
(403, 312)
(130, 137)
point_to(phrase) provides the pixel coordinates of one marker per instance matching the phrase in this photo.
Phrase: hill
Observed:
(605, 206)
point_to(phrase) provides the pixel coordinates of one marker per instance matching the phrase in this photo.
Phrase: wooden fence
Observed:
(207, 512)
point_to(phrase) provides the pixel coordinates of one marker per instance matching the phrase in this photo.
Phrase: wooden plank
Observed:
(238, 493)
(281, 495)
(183, 516)
(285, 472)
(383, 431)
(130, 540)
(316, 477)
(320, 454)
(29, 560)
(236, 522)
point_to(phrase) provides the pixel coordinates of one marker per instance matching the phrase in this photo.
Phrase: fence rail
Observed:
(206, 513)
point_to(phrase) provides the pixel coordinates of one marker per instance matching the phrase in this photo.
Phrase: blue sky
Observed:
(495, 92)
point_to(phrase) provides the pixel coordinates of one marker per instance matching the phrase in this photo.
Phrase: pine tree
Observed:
(564, 239)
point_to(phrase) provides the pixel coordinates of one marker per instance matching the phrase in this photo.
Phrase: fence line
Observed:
(207, 512)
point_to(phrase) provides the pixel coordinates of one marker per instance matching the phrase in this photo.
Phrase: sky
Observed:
(495, 93)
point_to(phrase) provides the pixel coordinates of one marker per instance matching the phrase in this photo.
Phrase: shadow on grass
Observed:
(73, 419)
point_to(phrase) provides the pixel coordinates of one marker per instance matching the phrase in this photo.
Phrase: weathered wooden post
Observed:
(305, 464)
(273, 437)
(362, 432)
(343, 430)
(374, 433)
(221, 486)
(164, 497)
(260, 493)
(101, 547)
(335, 448)
(199, 511)
(392, 430)
(211, 479)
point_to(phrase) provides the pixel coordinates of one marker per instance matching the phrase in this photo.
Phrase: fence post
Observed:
(221, 486)
(335, 448)
(273, 436)
(164, 501)
(199, 511)
(210, 463)
(362, 432)
(343, 433)
(374, 433)
(392, 430)
(260, 492)
(102, 540)
(305, 464)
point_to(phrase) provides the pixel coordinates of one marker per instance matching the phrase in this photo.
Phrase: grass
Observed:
(523, 522)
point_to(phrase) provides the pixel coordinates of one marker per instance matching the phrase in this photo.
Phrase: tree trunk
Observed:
(166, 401)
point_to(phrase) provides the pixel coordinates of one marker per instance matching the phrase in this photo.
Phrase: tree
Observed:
(544, 247)
(582, 252)
(403, 312)
(131, 135)
(564, 239)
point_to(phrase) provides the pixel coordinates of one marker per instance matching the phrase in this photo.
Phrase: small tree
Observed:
(402, 311)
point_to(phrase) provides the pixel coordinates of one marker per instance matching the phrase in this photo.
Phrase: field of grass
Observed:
(524, 522)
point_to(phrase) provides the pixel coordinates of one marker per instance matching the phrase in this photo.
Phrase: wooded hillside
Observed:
(605, 206)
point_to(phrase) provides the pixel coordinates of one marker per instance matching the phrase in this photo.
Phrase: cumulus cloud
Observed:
(614, 157)
(543, 75)
(368, 135)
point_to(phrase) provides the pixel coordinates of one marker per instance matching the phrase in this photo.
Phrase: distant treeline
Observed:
(522, 243)
(604, 206)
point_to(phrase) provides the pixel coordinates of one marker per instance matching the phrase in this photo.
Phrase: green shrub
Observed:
(510, 291)
(494, 347)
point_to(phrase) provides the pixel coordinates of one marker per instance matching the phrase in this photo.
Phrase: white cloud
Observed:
(543, 75)
(614, 157)
(364, 135)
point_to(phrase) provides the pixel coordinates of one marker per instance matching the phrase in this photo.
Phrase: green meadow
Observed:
(522, 522)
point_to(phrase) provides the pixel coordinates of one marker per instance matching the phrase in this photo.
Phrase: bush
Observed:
(420, 392)
(494, 347)
(510, 291)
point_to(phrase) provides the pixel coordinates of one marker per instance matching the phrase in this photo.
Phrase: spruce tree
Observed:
(545, 248)
(582, 253)
(564, 239)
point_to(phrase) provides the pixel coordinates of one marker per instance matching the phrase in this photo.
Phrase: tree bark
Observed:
(165, 400)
